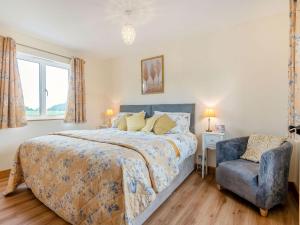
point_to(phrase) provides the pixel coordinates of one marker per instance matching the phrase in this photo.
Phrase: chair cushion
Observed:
(258, 144)
(239, 176)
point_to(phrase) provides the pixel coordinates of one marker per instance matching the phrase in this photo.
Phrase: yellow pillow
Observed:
(136, 122)
(150, 123)
(163, 124)
(122, 124)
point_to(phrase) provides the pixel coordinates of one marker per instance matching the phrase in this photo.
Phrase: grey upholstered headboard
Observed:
(149, 109)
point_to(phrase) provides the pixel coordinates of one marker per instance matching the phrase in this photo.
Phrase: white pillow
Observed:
(182, 121)
(115, 119)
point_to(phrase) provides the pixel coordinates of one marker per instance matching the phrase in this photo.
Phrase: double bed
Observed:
(106, 176)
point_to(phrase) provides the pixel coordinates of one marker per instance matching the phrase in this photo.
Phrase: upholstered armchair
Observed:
(264, 184)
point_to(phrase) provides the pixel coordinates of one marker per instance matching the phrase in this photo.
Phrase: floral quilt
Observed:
(95, 176)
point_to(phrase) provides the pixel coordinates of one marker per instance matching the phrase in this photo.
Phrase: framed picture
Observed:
(152, 75)
(220, 128)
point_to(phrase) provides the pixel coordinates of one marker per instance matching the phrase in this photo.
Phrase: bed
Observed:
(106, 176)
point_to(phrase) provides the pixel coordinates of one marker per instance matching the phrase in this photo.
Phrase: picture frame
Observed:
(220, 128)
(152, 75)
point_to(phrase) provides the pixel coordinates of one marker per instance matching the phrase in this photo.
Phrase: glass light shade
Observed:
(210, 112)
(109, 112)
(128, 34)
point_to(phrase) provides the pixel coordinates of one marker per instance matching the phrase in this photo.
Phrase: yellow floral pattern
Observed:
(12, 110)
(96, 176)
(76, 112)
(294, 63)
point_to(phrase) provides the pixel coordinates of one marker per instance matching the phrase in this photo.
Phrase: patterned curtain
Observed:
(76, 96)
(12, 110)
(294, 64)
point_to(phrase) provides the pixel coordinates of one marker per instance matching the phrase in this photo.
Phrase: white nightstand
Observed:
(209, 141)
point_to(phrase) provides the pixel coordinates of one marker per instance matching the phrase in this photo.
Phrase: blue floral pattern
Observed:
(102, 176)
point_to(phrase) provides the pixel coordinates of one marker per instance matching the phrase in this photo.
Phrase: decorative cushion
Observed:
(258, 144)
(182, 121)
(150, 123)
(122, 123)
(163, 124)
(136, 122)
(115, 120)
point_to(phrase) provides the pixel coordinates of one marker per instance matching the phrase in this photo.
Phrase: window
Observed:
(45, 86)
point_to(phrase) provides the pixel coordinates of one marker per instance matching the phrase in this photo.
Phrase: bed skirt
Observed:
(186, 168)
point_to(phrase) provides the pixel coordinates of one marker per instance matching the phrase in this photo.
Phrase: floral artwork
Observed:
(152, 70)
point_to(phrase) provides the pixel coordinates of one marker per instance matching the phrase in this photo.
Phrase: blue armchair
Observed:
(264, 184)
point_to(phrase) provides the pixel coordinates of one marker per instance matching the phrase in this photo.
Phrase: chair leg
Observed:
(219, 187)
(263, 212)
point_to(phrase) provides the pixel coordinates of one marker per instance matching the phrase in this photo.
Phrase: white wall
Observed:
(97, 84)
(241, 71)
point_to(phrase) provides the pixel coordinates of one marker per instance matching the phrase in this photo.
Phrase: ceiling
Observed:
(83, 24)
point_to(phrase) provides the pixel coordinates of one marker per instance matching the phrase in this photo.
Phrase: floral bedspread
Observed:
(95, 176)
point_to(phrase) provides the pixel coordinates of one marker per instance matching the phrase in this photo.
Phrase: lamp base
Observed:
(208, 128)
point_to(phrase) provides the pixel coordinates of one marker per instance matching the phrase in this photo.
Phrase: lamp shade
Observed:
(109, 112)
(209, 112)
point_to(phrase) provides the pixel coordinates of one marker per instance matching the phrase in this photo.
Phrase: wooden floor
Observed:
(195, 202)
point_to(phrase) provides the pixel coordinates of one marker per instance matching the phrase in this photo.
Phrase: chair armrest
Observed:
(273, 176)
(231, 149)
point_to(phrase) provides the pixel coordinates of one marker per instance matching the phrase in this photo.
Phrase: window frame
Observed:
(43, 62)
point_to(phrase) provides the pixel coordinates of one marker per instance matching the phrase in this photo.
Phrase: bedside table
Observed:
(209, 141)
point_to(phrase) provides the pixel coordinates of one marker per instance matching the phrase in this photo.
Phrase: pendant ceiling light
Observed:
(128, 34)
(130, 13)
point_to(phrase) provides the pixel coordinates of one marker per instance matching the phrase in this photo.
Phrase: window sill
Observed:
(46, 118)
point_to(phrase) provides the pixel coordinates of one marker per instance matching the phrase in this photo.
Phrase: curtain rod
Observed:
(38, 49)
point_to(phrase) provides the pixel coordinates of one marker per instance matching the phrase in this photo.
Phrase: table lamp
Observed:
(109, 113)
(209, 112)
